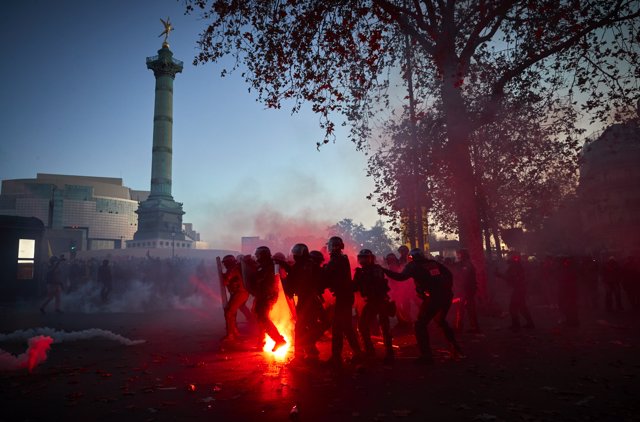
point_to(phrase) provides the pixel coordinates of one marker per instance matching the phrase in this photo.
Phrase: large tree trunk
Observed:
(417, 196)
(459, 159)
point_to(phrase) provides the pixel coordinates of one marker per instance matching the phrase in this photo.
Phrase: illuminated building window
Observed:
(26, 259)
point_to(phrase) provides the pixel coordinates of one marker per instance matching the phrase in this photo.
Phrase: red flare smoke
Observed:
(37, 351)
(35, 354)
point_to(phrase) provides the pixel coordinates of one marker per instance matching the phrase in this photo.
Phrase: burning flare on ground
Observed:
(282, 316)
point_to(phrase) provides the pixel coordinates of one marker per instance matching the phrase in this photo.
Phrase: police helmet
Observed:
(229, 260)
(365, 256)
(416, 254)
(299, 250)
(317, 257)
(335, 243)
(262, 253)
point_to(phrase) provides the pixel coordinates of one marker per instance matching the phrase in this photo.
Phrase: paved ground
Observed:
(181, 373)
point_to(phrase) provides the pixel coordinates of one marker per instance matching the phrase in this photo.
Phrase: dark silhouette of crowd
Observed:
(331, 295)
(163, 279)
(308, 276)
(574, 284)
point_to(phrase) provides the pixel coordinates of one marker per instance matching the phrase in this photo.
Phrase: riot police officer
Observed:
(238, 296)
(263, 285)
(373, 287)
(337, 273)
(303, 281)
(434, 284)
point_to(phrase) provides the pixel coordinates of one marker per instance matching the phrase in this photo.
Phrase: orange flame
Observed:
(282, 316)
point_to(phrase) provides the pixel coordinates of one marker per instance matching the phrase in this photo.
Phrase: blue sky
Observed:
(78, 99)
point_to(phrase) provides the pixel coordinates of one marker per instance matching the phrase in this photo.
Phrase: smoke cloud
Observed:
(60, 336)
(138, 296)
(257, 208)
(40, 340)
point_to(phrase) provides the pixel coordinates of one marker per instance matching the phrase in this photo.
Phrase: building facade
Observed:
(83, 212)
(609, 190)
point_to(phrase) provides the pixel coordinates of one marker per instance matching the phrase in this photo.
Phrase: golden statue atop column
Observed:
(167, 29)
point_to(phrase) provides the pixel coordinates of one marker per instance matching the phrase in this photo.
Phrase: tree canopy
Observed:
(375, 238)
(342, 56)
(339, 54)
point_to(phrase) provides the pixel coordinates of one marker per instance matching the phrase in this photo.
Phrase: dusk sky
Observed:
(78, 99)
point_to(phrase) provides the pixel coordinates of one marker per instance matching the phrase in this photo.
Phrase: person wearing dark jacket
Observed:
(54, 284)
(568, 291)
(373, 287)
(238, 296)
(263, 285)
(468, 288)
(515, 278)
(611, 277)
(105, 279)
(434, 284)
(304, 281)
(337, 273)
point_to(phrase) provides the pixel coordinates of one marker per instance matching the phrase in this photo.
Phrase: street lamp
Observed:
(173, 241)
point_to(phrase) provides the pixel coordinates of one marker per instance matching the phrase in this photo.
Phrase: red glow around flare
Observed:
(282, 317)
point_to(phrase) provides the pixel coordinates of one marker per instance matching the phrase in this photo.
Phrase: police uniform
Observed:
(373, 287)
(238, 296)
(337, 273)
(433, 283)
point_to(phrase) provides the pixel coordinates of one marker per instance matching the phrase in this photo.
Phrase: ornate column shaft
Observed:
(165, 68)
